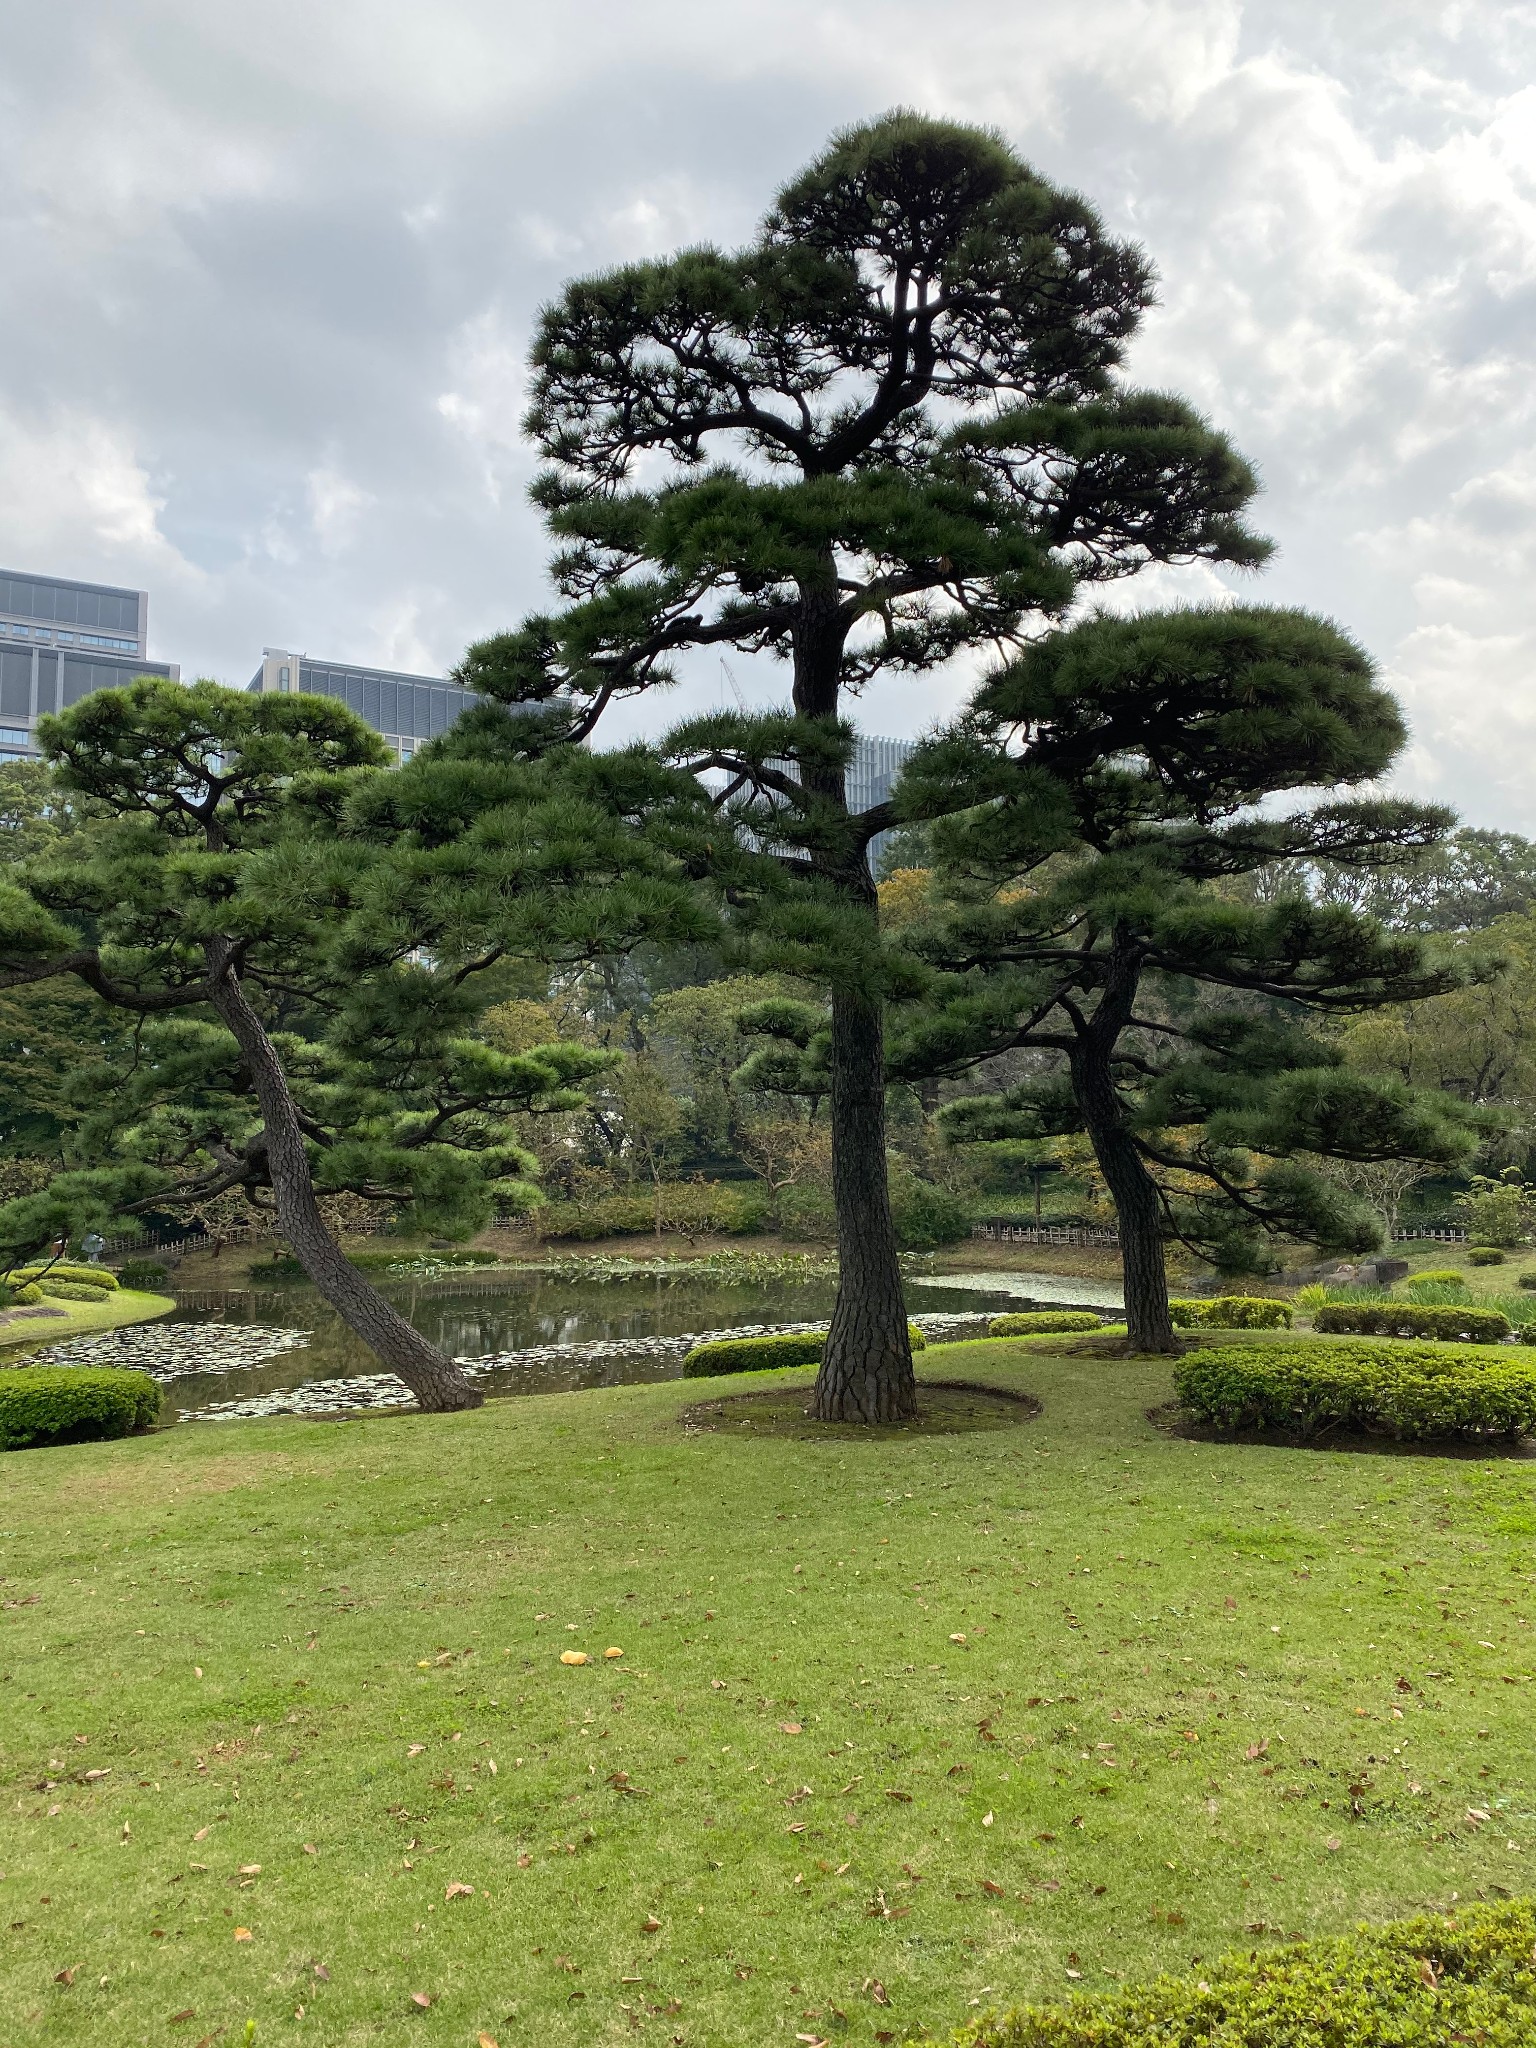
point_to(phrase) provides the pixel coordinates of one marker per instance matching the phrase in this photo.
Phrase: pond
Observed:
(236, 1352)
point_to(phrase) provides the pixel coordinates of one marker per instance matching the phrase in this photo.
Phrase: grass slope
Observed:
(80, 1319)
(1203, 1692)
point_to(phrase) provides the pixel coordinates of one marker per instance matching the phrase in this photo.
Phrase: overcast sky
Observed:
(269, 269)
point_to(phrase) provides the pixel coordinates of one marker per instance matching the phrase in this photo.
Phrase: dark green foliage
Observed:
(1395, 1390)
(1231, 1312)
(1043, 1322)
(146, 1274)
(42, 1404)
(26, 1295)
(1485, 1255)
(1411, 1319)
(766, 1354)
(926, 1216)
(1526, 1280)
(1421, 1983)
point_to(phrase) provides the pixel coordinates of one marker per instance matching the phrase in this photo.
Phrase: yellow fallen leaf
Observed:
(957, 1638)
(986, 1820)
(485, 2041)
(613, 1653)
(573, 1656)
(244, 1934)
(250, 1870)
(415, 1749)
(198, 1669)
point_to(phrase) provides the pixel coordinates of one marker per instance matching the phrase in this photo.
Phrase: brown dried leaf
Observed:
(244, 1934)
(790, 1728)
(459, 1891)
(420, 1998)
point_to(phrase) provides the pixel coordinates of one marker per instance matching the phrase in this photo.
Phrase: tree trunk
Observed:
(866, 1372)
(436, 1381)
(1134, 1194)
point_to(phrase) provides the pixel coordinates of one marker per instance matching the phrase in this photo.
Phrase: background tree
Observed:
(303, 962)
(887, 433)
(1114, 771)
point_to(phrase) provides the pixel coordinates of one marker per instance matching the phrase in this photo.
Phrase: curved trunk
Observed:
(866, 1371)
(436, 1381)
(1134, 1194)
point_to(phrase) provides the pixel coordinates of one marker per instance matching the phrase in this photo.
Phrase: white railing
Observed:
(999, 1231)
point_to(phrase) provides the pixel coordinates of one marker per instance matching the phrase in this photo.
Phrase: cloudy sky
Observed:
(269, 270)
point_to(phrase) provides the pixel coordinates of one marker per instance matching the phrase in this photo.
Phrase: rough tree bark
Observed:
(1134, 1193)
(866, 1372)
(435, 1380)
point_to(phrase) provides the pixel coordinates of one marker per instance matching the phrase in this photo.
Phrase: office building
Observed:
(406, 709)
(59, 641)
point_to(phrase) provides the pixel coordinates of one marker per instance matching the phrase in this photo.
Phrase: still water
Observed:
(520, 1319)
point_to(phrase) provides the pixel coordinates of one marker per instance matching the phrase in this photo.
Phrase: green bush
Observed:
(1409, 1984)
(69, 1290)
(766, 1354)
(926, 1217)
(84, 1276)
(1231, 1312)
(1525, 1279)
(1042, 1322)
(1484, 1255)
(1420, 1390)
(142, 1274)
(55, 1404)
(1408, 1319)
(690, 1207)
(1440, 1276)
(20, 1294)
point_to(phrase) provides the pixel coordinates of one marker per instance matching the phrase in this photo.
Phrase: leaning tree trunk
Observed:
(1134, 1193)
(436, 1381)
(866, 1372)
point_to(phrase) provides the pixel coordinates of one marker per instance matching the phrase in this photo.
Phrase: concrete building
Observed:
(406, 709)
(59, 641)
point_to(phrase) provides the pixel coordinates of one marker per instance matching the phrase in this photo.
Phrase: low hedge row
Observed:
(54, 1404)
(1231, 1312)
(1409, 1984)
(147, 1275)
(714, 1206)
(96, 1277)
(1042, 1322)
(766, 1354)
(1412, 1319)
(1395, 1390)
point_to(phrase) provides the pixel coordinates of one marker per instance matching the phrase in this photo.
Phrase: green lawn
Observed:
(24, 1330)
(1204, 1694)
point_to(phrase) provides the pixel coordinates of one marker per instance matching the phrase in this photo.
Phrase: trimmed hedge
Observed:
(1441, 1276)
(1043, 1322)
(1404, 1391)
(1231, 1312)
(20, 1295)
(79, 1276)
(713, 1206)
(1411, 1319)
(1409, 1984)
(766, 1354)
(1484, 1255)
(55, 1404)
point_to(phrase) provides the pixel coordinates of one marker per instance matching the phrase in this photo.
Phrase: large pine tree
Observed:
(887, 434)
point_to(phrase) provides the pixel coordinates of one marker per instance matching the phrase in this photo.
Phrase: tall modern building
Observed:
(59, 641)
(405, 709)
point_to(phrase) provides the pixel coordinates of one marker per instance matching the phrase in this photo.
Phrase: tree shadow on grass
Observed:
(1175, 1420)
(945, 1408)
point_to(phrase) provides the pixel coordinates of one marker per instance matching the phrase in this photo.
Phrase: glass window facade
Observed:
(404, 707)
(98, 606)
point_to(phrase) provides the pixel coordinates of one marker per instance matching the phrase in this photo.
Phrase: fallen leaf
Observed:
(322, 1973)
(651, 1925)
(986, 1820)
(1257, 1749)
(796, 1827)
(988, 1886)
(613, 1653)
(66, 1976)
(420, 1998)
(1332, 1843)
(957, 1639)
(202, 1834)
(416, 1749)
(1045, 1838)
(459, 1891)
(878, 1992)
(1427, 1973)
(524, 1860)
(250, 1870)
(198, 1669)
(904, 1797)
(176, 2018)
(790, 1727)
(244, 1934)
(309, 1849)
(573, 1656)
(485, 2041)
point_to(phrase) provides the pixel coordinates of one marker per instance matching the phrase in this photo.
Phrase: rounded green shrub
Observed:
(55, 1404)
(1409, 1984)
(1042, 1322)
(143, 1274)
(96, 1277)
(1410, 1319)
(70, 1290)
(1231, 1312)
(1484, 1255)
(1405, 1391)
(1440, 1276)
(766, 1354)
(20, 1294)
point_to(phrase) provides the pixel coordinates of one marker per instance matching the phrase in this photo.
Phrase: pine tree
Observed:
(886, 433)
(1093, 907)
(300, 936)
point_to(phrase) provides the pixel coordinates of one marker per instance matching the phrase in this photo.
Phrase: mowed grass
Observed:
(27, 1328)
(1205, 1695)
